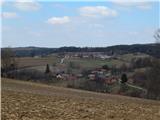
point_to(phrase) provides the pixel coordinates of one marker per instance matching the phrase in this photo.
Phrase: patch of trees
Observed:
(149, 79)
(8, 62)
(139, 78)
(32, 75)
(86, 84)
(125, 67)
(31, 51)
(153, 80)
(141, 62)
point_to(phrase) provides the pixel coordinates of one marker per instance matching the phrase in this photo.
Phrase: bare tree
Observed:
(153, 75)
(8, 60)
(157, 36)
(153, 80)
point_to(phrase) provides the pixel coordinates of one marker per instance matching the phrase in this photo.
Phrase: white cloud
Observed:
(6, 28)
(95, 11)
(96, 25)
(58, 5)
(133, 33)
(144, 5)
(58, 20)
(1, 2)
(9, 15)
(27, 5)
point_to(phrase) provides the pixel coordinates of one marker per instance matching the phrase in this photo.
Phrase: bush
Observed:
(33, 75)
(135, 93)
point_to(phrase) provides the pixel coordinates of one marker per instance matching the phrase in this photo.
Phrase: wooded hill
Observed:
(150, 49)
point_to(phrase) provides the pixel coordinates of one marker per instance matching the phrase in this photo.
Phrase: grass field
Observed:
(31, 62)
(32, 101)
(83, 63)
(40, 63)
(93, 63)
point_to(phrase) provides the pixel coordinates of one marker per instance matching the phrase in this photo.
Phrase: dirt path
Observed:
(136, 87)
(31, 101)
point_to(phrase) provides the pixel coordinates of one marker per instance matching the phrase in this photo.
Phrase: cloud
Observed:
(27, 5)
(95, 25)
(144, 5)
(1, 2)
(6, 28)
(9, 15)
(58, 5)
(95, 11)
(58, 20)
(133, 33)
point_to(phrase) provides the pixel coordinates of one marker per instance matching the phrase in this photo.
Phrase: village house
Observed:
(111, 80)
(102, 75)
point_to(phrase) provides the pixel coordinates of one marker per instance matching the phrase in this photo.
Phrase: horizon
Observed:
(78, 46)
(79, 24)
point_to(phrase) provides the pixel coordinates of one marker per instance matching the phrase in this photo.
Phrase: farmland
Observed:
(32, 101)
(26, 62)
(40, 61)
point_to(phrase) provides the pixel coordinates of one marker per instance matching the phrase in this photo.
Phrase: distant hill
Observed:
(31, 51)
(150, 49)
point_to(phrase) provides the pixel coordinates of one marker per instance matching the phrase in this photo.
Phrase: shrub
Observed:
(34, 75)
(135, 93)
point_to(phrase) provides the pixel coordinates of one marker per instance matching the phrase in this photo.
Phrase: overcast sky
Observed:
(56, 24)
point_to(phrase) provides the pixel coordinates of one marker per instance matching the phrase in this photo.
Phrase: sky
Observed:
(83, 23)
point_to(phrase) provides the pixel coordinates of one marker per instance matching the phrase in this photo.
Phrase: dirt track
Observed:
(30, 101)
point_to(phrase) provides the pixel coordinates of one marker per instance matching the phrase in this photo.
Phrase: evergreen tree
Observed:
(124, 78)
(47, 69)
(105, 67)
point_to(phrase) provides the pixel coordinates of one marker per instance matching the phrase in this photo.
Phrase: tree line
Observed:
(150, 49)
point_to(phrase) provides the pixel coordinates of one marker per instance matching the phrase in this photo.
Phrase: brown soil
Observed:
(31, 101)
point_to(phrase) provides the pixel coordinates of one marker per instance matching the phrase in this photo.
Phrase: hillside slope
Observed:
(31, 101)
